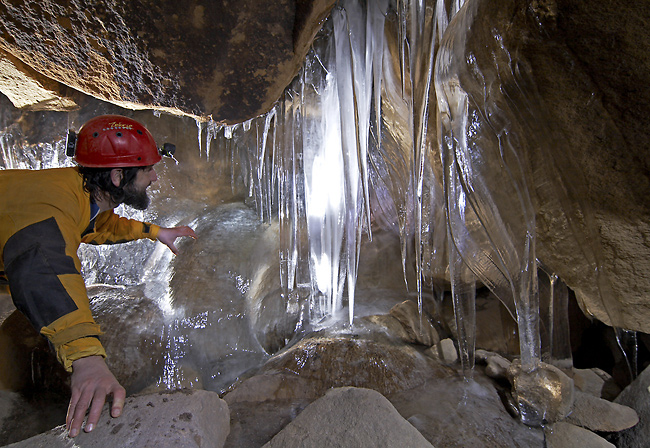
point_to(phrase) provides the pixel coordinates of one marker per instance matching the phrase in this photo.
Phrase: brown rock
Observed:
(349, 417)
(566, 435)
(597, 414)
(320, 363)
(184, 419)
(417, 325)
(230, 62)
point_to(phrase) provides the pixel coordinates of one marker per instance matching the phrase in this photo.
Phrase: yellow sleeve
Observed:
(43, 270)
(112, 229)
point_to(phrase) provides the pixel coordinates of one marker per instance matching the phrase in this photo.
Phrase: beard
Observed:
(138, 199)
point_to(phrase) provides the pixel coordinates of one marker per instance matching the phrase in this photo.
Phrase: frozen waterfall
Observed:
(397, 121)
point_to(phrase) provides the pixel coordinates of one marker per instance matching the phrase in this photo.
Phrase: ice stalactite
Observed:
(554, 322)
(309, 163)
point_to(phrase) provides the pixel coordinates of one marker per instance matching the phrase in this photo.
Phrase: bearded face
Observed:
(136, 197)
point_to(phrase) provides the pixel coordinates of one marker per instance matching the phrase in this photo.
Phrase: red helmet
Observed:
(114, 141)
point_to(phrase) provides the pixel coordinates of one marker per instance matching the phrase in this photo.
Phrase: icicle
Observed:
(484, 148)
(463, 292)
(377, 17)
(629, 345)
(554, 320)
(262, 167)
(324, 180)
(422, 64)
(199, 126)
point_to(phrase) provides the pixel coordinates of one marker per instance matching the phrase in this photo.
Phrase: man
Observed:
(45, 215)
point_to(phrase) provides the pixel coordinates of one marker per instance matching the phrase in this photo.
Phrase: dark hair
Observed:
(98, 181)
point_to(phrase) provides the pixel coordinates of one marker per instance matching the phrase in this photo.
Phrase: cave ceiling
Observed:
(225, 60)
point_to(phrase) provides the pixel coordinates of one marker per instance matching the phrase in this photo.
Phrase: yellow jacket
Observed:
(44, 216)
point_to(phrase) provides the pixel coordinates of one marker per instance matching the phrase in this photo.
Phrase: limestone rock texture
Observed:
(349, 417)
(229, 60)
(585, 61)
(175, 419)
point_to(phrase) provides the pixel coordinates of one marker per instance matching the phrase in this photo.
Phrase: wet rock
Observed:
(273, 316)
(335, 361)
(452, 412)
(637, 397)
(597, 414)
(544, 395)
(178, 419)
(273, 386)
(566, 435)
(417, 325)
(352, 417)
(133, 334)
(210, 285)
(315, 365)
(391, 325)
(445, 351)
(292, 379)
(405, 323)
(497, 365)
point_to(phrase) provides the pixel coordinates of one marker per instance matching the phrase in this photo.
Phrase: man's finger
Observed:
(71, 407)
(95, 410)
(79, 414)
(118, 402)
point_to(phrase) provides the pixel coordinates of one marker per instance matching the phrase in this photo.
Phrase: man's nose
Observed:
(152, 175)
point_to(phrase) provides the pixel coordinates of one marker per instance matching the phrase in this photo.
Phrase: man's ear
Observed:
(116, 176)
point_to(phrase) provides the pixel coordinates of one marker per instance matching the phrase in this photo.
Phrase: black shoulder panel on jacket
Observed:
(33, 258)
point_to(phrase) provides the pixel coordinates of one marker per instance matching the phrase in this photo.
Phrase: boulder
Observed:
(183, 418)
(417, 325)
(496, 365)
(566, 435)
(600, 415)
(336, 361)
(590, 381)
(454, 412)
(637, 397)
(349, 417)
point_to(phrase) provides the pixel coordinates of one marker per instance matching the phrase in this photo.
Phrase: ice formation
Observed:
(396, 121)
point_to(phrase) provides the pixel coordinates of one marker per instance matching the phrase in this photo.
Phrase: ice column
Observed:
(494, 231)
